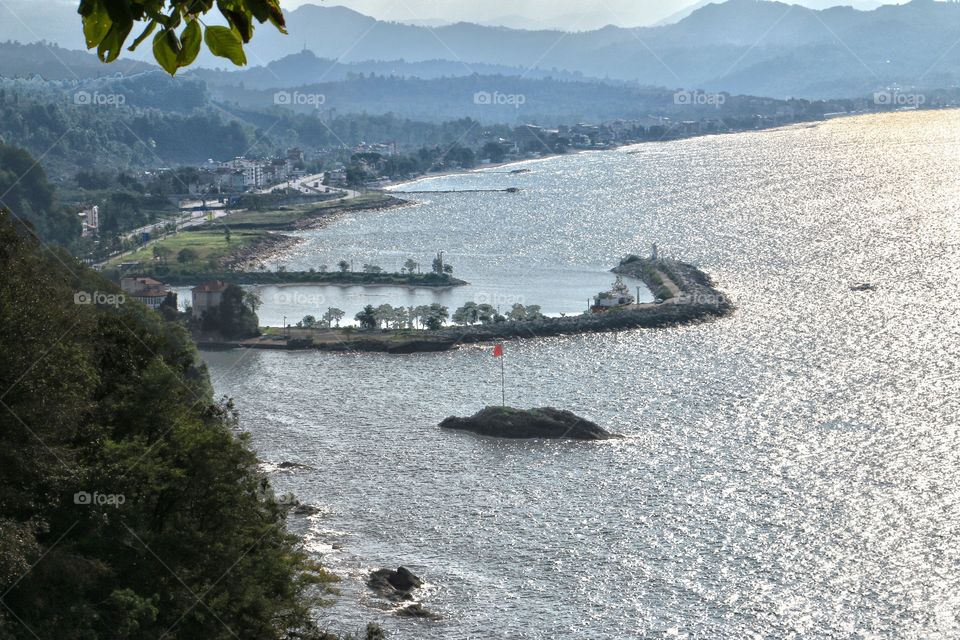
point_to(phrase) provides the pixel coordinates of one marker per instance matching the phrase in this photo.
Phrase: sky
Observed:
(567, 14)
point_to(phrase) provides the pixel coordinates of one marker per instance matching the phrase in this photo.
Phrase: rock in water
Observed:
(394, 585)
(417, 611)
(507, 422)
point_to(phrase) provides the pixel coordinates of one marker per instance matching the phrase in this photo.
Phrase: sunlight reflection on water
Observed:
(791, 471)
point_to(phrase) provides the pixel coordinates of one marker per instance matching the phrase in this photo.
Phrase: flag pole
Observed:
(503, 383)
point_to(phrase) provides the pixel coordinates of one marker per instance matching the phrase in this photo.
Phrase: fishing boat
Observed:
(618, 296)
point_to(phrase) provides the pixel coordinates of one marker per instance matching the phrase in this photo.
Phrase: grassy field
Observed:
(247, 230)
(209, 245)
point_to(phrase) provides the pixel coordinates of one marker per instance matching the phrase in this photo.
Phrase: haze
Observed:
(574, 15)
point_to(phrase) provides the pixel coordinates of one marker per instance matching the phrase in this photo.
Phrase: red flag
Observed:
(498, 351)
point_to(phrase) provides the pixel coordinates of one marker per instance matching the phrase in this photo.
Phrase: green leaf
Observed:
(190, 40)
(225, 43)
(119, 10)
(260, 9)
(166, 49)
(241, 22)
(96, 24)
(143, 36)
(112, 43)
(276, 15)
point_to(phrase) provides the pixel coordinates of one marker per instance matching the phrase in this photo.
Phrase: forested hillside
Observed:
(131, 507)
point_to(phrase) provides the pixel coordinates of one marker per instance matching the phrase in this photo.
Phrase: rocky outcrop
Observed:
(417, 611)
(396, 586)
(292, 466)
(549, 423)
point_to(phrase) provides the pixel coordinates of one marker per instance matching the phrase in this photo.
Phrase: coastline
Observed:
(388, 187)
(318, 219)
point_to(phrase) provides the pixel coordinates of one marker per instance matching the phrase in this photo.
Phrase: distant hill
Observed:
(51, 62)
(500, 99)
(753, 47)
(305, 67)
(743, 46)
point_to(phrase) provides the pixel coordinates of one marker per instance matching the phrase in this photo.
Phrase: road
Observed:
(311, 185)
(196, 219)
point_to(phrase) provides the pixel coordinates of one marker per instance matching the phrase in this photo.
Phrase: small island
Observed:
(546, 423)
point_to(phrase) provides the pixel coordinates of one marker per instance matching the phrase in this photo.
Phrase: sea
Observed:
(789, 471)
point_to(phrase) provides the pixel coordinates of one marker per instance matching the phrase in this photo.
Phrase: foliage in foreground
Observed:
(129, 506)
(108, 23)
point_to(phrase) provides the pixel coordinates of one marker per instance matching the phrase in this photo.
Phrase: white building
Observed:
(90, 218)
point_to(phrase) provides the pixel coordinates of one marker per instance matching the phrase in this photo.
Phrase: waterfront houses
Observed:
(147, 290)
(207, 297)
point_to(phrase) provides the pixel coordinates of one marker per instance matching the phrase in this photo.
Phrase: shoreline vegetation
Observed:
(325, 278)
(688, 296)
(236, 247)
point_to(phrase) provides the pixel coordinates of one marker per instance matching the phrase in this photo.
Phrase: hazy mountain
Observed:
(51, 62)
(743, 46)
(683, 13)
(748, 46)
(305, 67)
(564, 15)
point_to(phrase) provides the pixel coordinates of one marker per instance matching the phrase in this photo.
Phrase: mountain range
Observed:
(754, 47)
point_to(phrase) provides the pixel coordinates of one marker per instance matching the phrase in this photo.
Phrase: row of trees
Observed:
(432, 316)
(410, 266)
(385, 316)
(332, 317)
(473, 313)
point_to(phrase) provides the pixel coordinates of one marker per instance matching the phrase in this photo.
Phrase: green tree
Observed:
(28, 194)
(235, 318)
(486, 313)
(436, 316)
(467, 314)
(186, 256)
(494, 151)
(385, 314)
(367, 319)
(344, 266)
(534, 312)
(333, 316)
(517, 314)
(162, 253)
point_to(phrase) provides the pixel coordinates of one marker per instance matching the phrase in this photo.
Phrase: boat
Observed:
(618, 296)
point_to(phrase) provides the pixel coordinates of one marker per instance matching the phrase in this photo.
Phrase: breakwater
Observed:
(695, 299)
(690, 297)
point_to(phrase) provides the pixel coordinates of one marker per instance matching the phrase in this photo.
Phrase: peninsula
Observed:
(685, 294)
